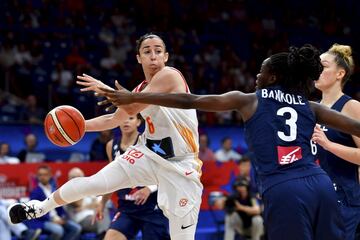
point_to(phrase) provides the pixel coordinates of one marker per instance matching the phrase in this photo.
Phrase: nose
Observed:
(153, 55)
(257, 75)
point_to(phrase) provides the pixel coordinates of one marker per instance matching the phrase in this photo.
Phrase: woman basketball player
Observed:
(338, 67)
(300, 201)
(165, 155)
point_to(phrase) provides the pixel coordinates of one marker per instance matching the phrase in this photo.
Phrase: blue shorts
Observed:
(350, 214)
(303, 209)
(152, 224)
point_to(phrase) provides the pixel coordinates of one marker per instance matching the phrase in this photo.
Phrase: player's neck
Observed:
(129, 139)
(330, 96)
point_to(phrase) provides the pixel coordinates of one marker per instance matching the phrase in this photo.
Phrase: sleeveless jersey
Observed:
(125, 198)
(343, 173)
(170, 132)
(279, 135)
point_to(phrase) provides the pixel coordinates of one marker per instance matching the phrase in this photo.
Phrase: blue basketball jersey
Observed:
(343, 173)
(126, 201)
(279, 135)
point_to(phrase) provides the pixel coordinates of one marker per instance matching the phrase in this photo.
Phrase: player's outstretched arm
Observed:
(225, 102)
(336, 120)
(105, 122)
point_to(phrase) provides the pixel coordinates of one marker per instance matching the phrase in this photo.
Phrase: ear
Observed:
(166, 56)
(272, 79)
(138, 58)
(340, 73)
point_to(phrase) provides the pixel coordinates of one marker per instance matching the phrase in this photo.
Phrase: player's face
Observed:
(152, 55)
(264, 77)
(330, 73)
(130, 125)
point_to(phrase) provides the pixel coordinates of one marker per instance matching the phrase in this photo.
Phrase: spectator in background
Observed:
(63, 80)
(246, 171)
(29, 154)
(83, 211)
(54, 222)
(32, 113)
(4, 154)
(98, 147)
(226, 152)
(242, 212)
(205, 153)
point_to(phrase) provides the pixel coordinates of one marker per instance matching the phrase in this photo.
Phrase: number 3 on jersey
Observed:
(150, 125)
(291, 122)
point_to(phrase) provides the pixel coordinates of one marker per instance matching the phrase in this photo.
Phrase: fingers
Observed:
(110, 108)
(91, 88)
(118, 86)
(106, 90)
(104, 102)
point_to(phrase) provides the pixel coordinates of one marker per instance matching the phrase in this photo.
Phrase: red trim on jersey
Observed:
(140, 86)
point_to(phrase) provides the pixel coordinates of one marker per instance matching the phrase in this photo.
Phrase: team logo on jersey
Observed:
(288, 155)
(132, 155)
(135, 153)
(183, 202)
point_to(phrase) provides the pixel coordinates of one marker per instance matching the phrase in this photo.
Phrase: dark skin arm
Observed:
(244, 103)
(334, 119)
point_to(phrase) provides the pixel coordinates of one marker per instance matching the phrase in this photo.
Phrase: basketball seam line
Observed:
(73, 121)
(59, 127)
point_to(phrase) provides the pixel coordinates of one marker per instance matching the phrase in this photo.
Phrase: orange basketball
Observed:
(64, 126)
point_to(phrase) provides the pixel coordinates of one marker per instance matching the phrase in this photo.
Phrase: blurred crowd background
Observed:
(218, 45)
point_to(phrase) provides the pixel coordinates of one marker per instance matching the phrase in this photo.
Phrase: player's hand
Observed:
(118, 97)
(99, 212)
(319, 137)
(91, 84)
(141, 196)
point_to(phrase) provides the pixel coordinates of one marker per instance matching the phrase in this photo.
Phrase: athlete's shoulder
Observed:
(352, 109)
(172, 78)
(168, 71)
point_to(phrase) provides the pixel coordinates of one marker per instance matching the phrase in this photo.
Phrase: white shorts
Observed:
(178, 180)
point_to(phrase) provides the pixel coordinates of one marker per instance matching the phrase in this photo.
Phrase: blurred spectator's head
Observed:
(4, 149)
(30, 141)
(226, 143)
(31, 101)
(75, 172)
(203, 141)
(44, 174)
(241, 186)
(244, 166)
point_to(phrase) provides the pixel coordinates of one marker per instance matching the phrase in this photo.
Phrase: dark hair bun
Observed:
(305, 61)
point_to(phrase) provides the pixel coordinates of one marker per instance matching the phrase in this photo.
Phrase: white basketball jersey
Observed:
(181, 125)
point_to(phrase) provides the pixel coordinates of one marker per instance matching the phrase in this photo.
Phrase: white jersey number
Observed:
(291, 122)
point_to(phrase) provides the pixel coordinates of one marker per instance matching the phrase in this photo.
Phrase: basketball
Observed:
(64, 126)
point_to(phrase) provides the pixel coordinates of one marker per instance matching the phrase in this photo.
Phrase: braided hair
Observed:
(297, 69)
